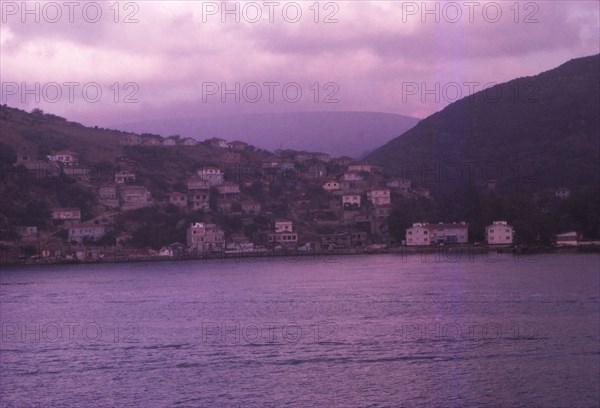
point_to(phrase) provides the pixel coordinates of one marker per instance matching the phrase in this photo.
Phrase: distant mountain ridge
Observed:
(544, 130)
(337, 133)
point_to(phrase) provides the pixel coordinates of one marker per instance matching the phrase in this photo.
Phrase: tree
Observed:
(406, 212)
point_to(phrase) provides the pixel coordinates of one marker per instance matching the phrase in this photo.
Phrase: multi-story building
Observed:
(178, 199)
(401, 185)
(331, 242)
(379, 197)
(382, 211)
(198, 195)
(285, 238)
(432, 234)
(213, 175)
(351, 201)
(205, 238)
(283, 226)
(499, 233)
(107, 195)
(570, 238)
(134, 197)
(66, 157)
(283, 233)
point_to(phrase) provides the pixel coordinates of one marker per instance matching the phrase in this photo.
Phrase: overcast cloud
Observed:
(173, 53)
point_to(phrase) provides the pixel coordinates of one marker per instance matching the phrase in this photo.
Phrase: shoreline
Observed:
(452, 253)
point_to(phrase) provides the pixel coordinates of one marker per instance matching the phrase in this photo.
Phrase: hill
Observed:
(337, 133)
(542, 131)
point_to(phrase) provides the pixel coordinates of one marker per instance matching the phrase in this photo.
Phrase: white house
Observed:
(65, 157)
(85, 231)
(499, 233)
(68, 214)
(351, 201)
(134, 197)
(430, 234)
(400, 184)
(283, 233)
(331, 185)
(418, 234)
(202, 238)
(570, 238)
(283, 226)
(379, 197)
(211, 174)
(284, 238)
(218, 142)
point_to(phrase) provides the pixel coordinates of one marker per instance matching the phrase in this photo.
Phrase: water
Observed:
(359, 331)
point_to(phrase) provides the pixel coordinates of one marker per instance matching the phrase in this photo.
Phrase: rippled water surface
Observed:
(359, 331)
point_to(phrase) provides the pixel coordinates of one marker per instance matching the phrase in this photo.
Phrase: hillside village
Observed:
(175, 196)
(289, 200)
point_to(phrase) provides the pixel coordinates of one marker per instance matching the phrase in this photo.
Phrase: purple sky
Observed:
(379, 56)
